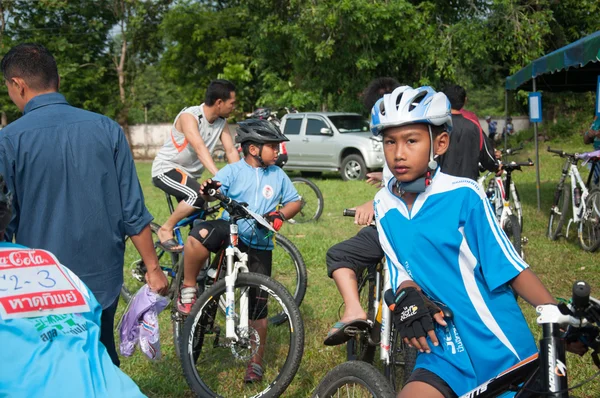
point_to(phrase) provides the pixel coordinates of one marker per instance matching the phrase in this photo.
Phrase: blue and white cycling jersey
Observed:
(59, 355)
(451, 245)
(263, 189)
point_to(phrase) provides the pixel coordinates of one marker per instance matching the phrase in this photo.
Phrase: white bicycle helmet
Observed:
(407, 105)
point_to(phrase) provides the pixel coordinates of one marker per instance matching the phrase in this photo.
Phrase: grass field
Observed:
(558, 264)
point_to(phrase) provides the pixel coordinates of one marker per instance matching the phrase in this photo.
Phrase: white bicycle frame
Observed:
(500, 200)
(579, 210)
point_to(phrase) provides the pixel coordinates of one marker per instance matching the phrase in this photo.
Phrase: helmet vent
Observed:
(382, 108)
(417, 100)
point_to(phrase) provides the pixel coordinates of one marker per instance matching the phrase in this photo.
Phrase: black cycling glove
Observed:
(413, 313)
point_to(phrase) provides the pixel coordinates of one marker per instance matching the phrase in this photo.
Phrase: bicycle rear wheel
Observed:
(288, 269)
(512, 229)
(358, 347)
(219, 367)
(354, 379)
(558, 212)
(312, 201)
(589, 228)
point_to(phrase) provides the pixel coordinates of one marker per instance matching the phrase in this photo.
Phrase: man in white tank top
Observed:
(188, 150)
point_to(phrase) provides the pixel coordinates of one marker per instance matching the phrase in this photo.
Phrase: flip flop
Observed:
(345, 331)
(169, 245)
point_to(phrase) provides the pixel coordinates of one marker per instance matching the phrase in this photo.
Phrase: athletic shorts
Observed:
(259, 261)
(428, 377)
(357, 253)
(183, 187)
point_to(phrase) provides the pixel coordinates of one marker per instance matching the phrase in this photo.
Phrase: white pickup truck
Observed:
(331, 141)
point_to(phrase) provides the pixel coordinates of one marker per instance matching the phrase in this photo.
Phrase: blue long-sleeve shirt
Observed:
(76, 191)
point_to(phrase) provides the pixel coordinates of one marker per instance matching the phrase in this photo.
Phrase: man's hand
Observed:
(275, 218)
(157, 281)
(208, 185)
(364, 213)
(413, 317)
(375, 178)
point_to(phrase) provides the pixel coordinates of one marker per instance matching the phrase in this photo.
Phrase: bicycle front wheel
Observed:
(167, 261)
(589, 228)
(355, 379)
(311, 198)
(558, 212)
(288, 269)
(214, 365)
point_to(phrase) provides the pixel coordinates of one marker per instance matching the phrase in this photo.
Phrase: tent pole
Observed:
(505, 119)
(537, 157)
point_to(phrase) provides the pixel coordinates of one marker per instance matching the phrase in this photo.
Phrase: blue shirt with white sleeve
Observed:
(451, 245)
(263, 189)
(76, 191)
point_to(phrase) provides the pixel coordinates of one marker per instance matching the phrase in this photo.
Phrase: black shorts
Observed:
(435, 381)
(259, 261)
(183, 187)
(361, 251)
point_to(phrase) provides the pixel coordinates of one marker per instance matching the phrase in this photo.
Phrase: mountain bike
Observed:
(545, 373)
(585, 204)
(396, 358)
(504, 198)
(221, 334)
(354, 379)
(290, 269)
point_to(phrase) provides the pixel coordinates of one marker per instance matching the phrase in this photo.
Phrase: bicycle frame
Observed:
(501, 202)
(570, 169)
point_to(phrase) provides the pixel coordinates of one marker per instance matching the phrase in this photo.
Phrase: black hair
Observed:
(32, 63)
(377, 89)
(218, 89)
(457, 96)
(246, 147)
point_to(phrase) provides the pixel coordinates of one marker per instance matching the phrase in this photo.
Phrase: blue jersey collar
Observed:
(43, 100)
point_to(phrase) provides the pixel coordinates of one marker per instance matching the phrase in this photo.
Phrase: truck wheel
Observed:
(353, 168)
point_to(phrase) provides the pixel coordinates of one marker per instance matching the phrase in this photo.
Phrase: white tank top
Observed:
(177, 153)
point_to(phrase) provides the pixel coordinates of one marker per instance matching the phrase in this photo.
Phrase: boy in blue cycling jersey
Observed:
(443, 244)
(57, 354)
(257, 181)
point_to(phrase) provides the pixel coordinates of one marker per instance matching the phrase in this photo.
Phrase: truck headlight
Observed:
(376, 145)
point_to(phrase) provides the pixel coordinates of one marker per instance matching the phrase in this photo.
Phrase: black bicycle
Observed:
(354, 379)
(395, 357)
(545, 374)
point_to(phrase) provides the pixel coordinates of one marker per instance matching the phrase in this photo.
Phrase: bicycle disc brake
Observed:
(243, 348)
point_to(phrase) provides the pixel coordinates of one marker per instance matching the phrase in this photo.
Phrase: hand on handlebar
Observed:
(364, 214)
(275, 218)
(208, 185)
(413, 317)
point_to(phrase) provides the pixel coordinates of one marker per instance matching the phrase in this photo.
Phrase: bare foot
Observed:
(164, 235)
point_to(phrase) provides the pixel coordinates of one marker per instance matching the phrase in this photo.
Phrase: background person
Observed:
(74, 182)
(188, 150)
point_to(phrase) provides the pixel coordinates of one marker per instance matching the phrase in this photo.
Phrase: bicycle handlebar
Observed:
(561, 153)
(349, 212)
(512, 151)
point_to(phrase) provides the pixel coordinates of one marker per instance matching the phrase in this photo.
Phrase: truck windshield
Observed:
(350, 123)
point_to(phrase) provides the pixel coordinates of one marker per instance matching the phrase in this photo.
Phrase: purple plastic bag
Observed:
(139, 324)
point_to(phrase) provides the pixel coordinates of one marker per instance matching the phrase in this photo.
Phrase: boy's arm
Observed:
(528, 286)
(289, 210)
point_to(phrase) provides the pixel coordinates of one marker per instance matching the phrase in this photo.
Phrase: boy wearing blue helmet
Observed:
(443, 244)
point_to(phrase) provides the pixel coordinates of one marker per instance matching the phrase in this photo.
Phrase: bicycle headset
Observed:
(5, 204)
(258, 132)
(407, 105)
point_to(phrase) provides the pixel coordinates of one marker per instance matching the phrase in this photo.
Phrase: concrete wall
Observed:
(147, 139)
(520, 123)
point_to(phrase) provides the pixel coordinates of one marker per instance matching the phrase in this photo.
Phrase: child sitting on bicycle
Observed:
(257, 181)
(443, 244)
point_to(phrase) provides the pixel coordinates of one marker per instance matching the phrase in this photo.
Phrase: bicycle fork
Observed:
(233, 268)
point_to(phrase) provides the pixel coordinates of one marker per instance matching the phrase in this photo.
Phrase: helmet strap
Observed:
(259, 156)
(420, 184)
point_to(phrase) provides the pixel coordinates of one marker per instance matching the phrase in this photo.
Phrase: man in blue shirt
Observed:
(75, 185)
(56, 351)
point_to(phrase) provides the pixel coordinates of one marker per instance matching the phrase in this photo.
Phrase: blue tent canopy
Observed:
(574, 67)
